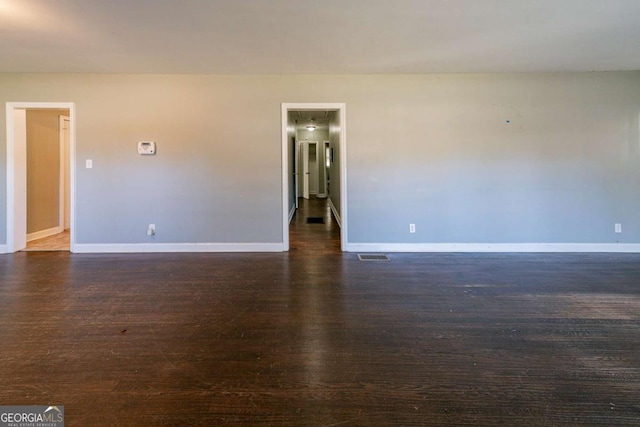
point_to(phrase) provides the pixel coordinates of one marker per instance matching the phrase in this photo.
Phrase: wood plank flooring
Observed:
(57, 242)
(315, 337)
(321, 239)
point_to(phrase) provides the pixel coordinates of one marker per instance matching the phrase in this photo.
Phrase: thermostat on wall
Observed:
(146, 147)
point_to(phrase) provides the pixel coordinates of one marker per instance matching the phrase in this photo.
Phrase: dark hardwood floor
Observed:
(315, 337)
(321, 239)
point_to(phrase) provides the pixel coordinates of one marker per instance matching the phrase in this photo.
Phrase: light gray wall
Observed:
(432, 150)
(564, 169)
(3, 178)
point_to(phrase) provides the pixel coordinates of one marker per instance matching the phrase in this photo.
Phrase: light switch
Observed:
(89, 163)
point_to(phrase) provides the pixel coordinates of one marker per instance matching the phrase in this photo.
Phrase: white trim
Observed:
(494, 247)
(335, 214)
(4, 249)
(292, 212)
(44, 233)
(321, 196)
(343, 179)
(11, 181)
(10, 165)
(284, 124)
(296, 168)
(341, 108)
(176, 247)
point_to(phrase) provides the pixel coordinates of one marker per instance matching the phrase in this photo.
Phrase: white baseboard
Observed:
(292, 212)
(4, 249)
(175, 247)
(321, 196)
(44, 233)
(493, 247)
(355, 247)
(336, 214)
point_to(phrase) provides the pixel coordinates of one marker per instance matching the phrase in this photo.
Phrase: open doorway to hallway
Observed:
(314, 175)
(40, 176)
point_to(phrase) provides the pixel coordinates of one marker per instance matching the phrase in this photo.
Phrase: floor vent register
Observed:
(373, 257)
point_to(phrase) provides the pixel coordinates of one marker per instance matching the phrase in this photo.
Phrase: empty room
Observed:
(339, 213)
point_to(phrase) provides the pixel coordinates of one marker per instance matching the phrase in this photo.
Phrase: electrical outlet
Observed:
(89, 163)
(151, 231)
(412, 228)
(618, 228)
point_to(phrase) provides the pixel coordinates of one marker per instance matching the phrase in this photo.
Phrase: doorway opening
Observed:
(40, 176)
(314, 169)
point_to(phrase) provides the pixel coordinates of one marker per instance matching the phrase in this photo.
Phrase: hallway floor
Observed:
(57, 242)
(319, 238)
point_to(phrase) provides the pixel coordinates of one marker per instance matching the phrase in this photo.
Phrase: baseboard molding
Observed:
(321, 196)
(4, 249)
(292, 212)
(175, 247)
(336, 214)
(356, 247)
(494, 247)
(44, 233)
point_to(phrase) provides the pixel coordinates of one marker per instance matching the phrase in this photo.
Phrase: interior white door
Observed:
(305, 168)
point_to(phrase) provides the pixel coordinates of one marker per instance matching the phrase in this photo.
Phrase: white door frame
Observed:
(341, 110)
(296, 172)
(17, 173)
